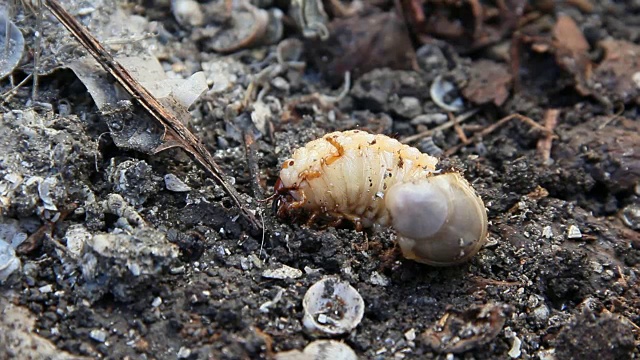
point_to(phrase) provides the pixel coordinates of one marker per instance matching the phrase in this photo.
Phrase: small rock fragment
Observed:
(283, 272)
(184, 353)
(98, 335)
(515, 351)
(75, 237)
(574, 232)
(408, 107)
(410, 334)
(173, 183)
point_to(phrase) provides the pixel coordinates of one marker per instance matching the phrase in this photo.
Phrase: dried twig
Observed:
(491, 128)
(175, 134)
(545, 142)
(458, 120)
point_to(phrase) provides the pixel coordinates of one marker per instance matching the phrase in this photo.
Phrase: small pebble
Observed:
(184, 353)
(515, 352)
(283, 272)
(410, 335)
(98, 335)
(156, 302)
(573, 232)
(173, 183)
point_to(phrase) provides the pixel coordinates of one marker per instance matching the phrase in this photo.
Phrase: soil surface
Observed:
(121, 252)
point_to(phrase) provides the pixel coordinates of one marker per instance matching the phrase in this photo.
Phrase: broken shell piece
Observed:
(11, 45)
(320, 350)
(460, 331)
(332, 307)
(173, 183)
(444, 94)
(9, 262)
(247, 27)
(187, 12)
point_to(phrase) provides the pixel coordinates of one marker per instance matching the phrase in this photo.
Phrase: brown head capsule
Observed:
(374, 179)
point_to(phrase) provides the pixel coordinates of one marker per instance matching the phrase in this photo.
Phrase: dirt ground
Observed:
(120, 252)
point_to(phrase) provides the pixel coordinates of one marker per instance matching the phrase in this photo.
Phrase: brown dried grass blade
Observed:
(175, 133)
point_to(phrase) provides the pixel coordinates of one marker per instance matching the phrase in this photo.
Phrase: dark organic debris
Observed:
(589, 334)
(619, 71)
(361, 44)
(488, 82)
(610, 155)
(460, 331)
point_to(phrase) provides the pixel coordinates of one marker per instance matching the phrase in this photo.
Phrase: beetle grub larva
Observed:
(374, 179)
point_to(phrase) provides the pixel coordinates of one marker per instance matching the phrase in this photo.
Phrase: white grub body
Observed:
(353, 184)
(374, 179)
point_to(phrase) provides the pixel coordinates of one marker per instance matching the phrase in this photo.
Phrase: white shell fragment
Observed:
(12, 49)
(76, 237)
(320, 350)
(173, 183)
(332, 307)
(283, 272)
(574, 232)
(440, 90)
(9, 262)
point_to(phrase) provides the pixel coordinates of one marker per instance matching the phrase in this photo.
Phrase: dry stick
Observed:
(545, 142)
(461, 118)
(175, 134)
(458, 128)
(491, 128)
(36, 54)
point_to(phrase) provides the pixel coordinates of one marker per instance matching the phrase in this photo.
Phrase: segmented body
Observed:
(346, 175)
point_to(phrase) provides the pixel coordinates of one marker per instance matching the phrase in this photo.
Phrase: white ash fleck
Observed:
(515, 351)
(547, 232)
(98, 335)
(410, 334)
(265, 306)
(45, 289)
(574, 232)
(156, 302)
(173, 183)
(379, 279)
(283, 272)
(184, 352)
